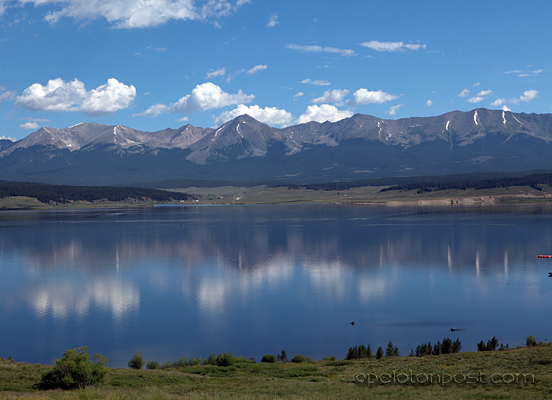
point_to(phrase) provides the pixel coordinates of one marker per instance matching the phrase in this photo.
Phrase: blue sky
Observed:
(153, 64)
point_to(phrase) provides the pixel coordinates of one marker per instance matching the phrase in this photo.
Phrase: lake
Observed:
(193, 280)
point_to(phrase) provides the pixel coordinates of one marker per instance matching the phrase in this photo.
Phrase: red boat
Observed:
(544, 256)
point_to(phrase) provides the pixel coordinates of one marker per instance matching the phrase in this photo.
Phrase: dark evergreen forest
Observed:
(64, 193)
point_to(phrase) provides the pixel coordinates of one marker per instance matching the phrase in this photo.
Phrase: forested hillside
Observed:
(65, 193)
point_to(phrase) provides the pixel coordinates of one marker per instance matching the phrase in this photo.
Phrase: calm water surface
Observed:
(251, 280)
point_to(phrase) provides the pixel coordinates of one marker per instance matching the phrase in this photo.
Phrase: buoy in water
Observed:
(452, 329)
(353, 323)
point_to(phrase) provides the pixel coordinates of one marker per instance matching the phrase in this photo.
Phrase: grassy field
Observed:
(524, 373)
(28, 203)
(366, 194)
(284, 195)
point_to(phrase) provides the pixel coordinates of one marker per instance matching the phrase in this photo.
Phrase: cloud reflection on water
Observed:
(266, 252)
(62, 297)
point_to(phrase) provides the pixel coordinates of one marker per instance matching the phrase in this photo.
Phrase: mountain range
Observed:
(358, 147)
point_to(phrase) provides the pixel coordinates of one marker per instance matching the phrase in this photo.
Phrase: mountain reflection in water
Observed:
(185, 281)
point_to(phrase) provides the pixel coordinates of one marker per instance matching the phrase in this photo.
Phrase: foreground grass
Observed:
(320, 379)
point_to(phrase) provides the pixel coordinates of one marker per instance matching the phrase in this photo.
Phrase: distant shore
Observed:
(367, 195)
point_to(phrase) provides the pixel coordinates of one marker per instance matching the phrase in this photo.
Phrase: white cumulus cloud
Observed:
(7, 96)
(332, 96)
(464, 93)
(214, 73)
(320, 49)
(256, 69)
(429, 103)
(392, 46)
(476, 99)
(268, 115)
(523, 74)
(3, 6)
(8, 138)
(249, 72)
(29, 125)
(61, 96)
(480, 96)
(393, 110)
(317, 82)
(365, 96)
(323, 113)
(273, 20)
(137, 13)
(484, 93)
(108, 98)
(528, 95)
(153, 111)
(207, 96)
(203, 97)
(298, 94)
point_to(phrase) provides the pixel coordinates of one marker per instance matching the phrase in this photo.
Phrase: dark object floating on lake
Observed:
(452, 329)
(550, 274)
(544, 256)
(353, 323)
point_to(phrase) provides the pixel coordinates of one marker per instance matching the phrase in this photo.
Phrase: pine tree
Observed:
(379, 353)
(481, 346)
(446, 347)
(390, 350)
(437, 349)
(456, 346)
(492, 344)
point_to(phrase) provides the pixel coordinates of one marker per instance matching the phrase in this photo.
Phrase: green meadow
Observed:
(520, 373)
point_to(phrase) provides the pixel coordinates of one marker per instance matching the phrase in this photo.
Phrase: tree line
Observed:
(535, 181)
(46, 193)
(480, 180)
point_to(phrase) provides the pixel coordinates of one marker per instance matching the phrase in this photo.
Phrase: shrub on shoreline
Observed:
(75, 370)
(136, 362)
(269, 358)
(298, 358)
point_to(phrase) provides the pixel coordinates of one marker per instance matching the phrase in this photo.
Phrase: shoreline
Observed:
(262, 195)
(452, 376)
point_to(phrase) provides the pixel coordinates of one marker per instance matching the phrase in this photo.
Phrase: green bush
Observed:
(212, 360)
(269, 358)
(531, 341)
(225, 360)
(298, 358)
(136, 362)
(75, 370)
(152, 365)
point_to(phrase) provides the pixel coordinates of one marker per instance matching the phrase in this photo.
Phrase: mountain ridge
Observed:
(246, 149)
